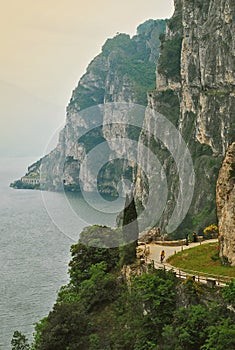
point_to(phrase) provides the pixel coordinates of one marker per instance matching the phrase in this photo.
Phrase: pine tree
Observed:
(130, 232)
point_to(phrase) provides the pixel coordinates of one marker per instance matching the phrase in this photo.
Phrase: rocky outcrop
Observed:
(151, 235)
(225, 200)
(196, 92)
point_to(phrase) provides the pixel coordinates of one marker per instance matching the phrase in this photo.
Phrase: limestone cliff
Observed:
(196, 92)
(225, 200)
(122, 72)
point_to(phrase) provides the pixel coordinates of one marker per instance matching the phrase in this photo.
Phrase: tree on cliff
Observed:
(19, 341)
(84, 255)
(130, 232)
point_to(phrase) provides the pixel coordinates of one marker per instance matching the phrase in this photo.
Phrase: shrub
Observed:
(211, 231)
(169, 61)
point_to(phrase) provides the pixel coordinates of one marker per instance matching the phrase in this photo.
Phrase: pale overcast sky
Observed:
(46, 46)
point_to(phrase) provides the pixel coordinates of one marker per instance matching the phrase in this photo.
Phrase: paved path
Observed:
(155, 249)
(154, 255)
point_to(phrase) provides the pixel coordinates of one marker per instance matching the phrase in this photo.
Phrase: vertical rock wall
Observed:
(225, 200)
(196, 92)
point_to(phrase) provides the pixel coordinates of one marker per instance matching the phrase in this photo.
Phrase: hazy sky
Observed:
(46, 46)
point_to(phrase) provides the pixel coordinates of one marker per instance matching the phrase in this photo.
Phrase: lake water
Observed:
(36, 232)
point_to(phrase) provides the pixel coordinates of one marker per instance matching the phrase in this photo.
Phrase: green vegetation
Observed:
(142, 75)
(19, 341)
(232, 171)
(169, 105)
(175, 23)
(127, 59)
(229, 293)
(203, 208)
(130, 232)
(150, 24)
(221, 337)
(86, 98)
(106, 305)
(217, 93)
(125, 67)
(111, 174)
(169, 61)
(20, 185)
(191, 329)
(203, 259)
(103, 307)
(91, 139)
(193, 72)
(120, 42)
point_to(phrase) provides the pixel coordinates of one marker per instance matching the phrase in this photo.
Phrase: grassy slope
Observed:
(200, 259)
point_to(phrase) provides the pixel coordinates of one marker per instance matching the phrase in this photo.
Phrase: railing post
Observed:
(153, 264)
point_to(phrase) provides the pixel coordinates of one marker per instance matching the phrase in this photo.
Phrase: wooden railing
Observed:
(202, 277)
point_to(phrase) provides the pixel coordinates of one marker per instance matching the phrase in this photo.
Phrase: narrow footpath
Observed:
(154, 257)
(155, 249)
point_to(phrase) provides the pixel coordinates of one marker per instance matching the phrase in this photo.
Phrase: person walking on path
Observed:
(162, 256)
(194, 237)
(186, 239)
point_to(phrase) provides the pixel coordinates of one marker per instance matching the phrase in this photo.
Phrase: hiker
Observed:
(194, 237)
(187, 239)
(162, 256)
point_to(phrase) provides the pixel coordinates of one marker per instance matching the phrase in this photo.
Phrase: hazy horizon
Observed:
(46, 47)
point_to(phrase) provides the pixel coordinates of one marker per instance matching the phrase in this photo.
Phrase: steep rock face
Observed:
(225, 200)
(196, 92)
(207, 71)
(123, 72)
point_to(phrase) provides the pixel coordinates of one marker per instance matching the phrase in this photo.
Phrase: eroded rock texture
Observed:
(196, 92)
(225, 198)
(122, 73)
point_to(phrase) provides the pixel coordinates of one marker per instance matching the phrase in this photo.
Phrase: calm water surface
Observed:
(34, 252)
